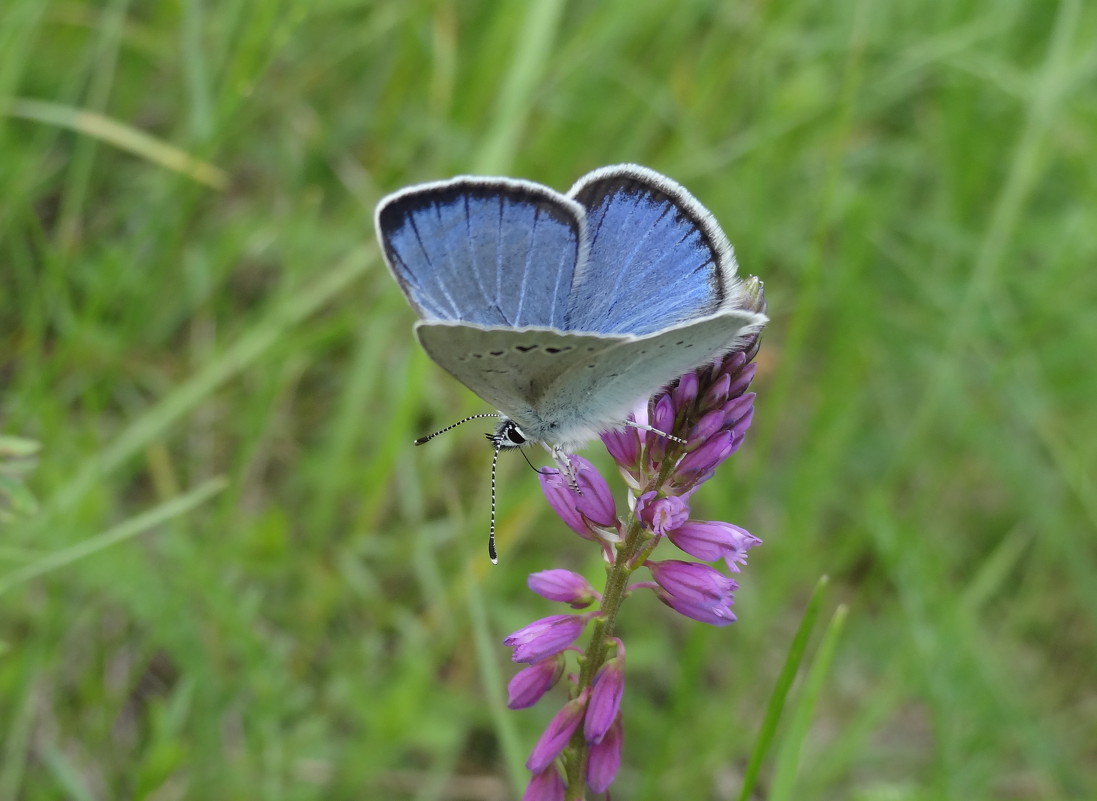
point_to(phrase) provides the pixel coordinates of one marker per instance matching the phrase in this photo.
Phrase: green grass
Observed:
(242, 582)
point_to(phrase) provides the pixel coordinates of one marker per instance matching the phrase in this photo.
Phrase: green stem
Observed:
(637, 543)
(578, 752)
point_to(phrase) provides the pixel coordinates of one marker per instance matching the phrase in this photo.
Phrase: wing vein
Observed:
(426, 257)
(531, 244)
(499, 262)
(473, 253)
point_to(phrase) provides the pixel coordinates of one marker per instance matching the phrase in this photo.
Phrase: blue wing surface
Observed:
(489, 252)
(657, 258)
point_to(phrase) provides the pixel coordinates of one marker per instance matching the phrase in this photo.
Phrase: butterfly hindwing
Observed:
(565, 387)
(597, 395)
(511, 369)
(483, 251)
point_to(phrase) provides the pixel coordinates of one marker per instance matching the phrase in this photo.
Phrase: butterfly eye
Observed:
(507, 435)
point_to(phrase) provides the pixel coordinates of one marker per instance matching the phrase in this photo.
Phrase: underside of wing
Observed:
(484, 251)
(513, 369)
(597, 394)
(657, 257)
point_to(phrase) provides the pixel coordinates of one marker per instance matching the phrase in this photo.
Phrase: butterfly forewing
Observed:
(483, 251)
(657, 258)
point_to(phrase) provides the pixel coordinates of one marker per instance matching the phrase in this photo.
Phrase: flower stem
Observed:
(578, 751)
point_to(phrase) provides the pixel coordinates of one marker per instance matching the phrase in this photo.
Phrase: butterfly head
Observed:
(507, 435)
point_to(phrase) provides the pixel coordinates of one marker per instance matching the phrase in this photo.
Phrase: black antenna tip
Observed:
(422, 440)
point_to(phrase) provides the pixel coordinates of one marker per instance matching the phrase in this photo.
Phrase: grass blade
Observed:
(781, 690)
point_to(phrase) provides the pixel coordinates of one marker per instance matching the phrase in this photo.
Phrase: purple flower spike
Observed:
(605, 700)
(668, 443)
(529, 684)
(545, 786)
(564, 586)
(711, 541)
(605, 759)
(545, 637)
(661, 514)
(595, 506)
(555, 738)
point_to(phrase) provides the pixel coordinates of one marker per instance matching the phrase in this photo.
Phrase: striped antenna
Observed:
(507, 435)
(429, 437)
(491, 530)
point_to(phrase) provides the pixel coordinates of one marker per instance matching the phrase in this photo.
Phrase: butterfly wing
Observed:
(657, 257)
(512, 369)
(565, 311)
(486, 251)
(598, 394)
(564, 388)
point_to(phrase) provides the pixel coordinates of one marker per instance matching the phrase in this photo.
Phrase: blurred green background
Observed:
(242, 582)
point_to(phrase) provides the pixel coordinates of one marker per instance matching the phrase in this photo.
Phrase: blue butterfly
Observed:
(565, 312)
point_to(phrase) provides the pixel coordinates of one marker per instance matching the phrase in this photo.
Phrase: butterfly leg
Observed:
(563, 461)
(644, 427)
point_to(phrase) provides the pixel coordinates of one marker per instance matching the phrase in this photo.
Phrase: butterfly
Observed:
(565, 311)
